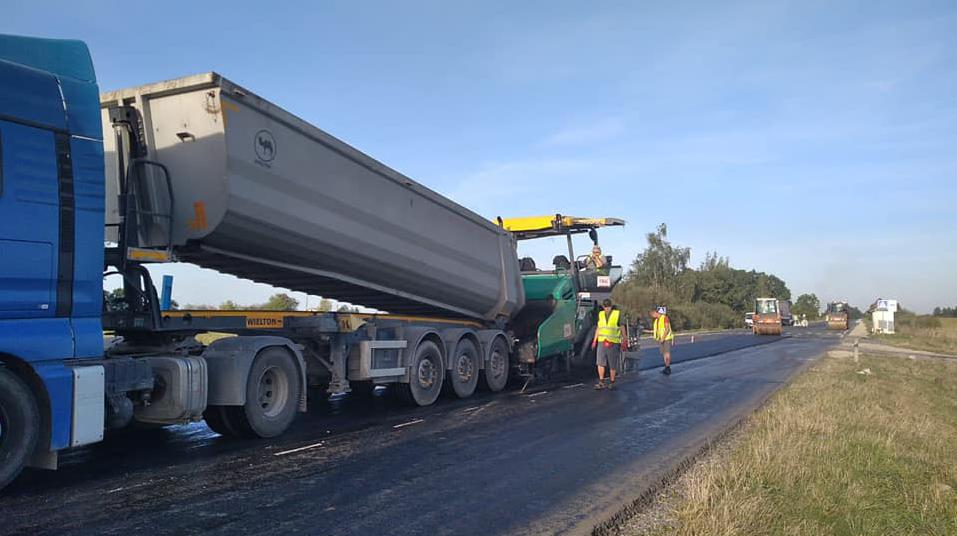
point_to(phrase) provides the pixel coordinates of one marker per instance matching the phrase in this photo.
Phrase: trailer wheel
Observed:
(495, 375)
(463, 376)
(272, 396)
(425, 376)
(19, 426)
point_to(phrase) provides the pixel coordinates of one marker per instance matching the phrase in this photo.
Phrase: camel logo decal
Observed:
(265, 146)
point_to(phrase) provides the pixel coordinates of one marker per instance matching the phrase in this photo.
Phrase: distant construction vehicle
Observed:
(836, 315)
(787, 319)
(767, 317)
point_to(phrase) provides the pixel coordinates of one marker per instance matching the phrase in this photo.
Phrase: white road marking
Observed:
(410, 423)
(536, 394)
(475, 408)
(300, 449)
(140, 485)
(571, 386)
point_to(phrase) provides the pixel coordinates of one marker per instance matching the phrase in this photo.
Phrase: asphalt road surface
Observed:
(558, 458)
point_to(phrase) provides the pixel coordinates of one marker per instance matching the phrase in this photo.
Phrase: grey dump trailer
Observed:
(201, 170)
(261, 194)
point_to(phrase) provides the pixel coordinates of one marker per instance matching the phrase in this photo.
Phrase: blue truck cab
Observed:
(51, 252)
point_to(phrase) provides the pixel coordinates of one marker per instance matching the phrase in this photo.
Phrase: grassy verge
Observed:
(836, 452)
(941, 339)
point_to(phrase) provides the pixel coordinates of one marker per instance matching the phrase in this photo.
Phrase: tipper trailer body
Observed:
(201, 170)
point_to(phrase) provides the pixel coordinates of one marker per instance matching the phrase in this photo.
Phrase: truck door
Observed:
(29, 221)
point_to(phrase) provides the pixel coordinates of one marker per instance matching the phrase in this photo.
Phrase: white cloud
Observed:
(599, 131)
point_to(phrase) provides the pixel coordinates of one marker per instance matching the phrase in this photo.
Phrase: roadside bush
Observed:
(703, 315)
(637, 302)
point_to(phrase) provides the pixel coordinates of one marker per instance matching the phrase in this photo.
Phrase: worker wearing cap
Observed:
(596, 261)
(663, 335)
(611, 337)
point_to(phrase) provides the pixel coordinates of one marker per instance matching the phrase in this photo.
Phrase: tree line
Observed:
(713, 295)
(279, 301)
(947, 312)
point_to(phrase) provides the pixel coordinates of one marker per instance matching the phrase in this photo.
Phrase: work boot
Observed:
(667, 370)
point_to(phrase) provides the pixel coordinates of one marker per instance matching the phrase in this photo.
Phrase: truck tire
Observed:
(495, 375)
(425, 376)
(464, 372)
(273, 391)
(19, 426)
(218, 420)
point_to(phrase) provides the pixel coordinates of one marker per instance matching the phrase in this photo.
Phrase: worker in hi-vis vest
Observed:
(611, 337)
(663, 336)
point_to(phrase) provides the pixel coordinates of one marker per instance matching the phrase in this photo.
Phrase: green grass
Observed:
(837, 452)
(941, 339)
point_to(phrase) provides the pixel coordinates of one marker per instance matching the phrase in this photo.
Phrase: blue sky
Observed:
(814, 140)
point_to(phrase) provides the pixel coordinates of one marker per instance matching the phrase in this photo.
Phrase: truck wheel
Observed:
(495, 375)
(463, 376)
(272, 396)
(425, 376)
(218, 420)
(19, 426)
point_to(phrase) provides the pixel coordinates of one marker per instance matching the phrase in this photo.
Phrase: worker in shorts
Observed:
(663, 336)
(611, 338)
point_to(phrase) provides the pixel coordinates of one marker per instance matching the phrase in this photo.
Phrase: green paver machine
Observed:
(557, 324)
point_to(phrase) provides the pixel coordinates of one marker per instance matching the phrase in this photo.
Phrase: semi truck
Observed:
(95, 188)
(767, 317)
(787, 319)
(836, 315)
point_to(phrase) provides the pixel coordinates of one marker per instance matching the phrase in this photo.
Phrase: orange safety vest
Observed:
(661, 325)
(608, 328)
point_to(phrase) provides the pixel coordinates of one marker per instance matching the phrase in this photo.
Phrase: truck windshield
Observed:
(837, 307)
(765, 307)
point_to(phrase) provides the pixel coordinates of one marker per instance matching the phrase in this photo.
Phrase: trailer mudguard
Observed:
(229, 361)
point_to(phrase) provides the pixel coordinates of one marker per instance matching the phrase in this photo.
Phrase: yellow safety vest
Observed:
(660, 329)
(608, 329)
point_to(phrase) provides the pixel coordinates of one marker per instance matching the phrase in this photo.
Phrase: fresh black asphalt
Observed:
(558, 458)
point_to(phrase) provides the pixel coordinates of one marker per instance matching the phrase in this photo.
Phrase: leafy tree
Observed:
(325, 305)
(808, 305)
(949, 312)
(660, 264)
(280, 302)
(230, 305)
(712, 261)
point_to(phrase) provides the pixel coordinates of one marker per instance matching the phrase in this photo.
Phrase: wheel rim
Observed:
(465, 368)
(426, 373)
(273, 391)
(497, 364)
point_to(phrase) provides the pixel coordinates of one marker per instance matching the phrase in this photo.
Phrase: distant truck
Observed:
(786, 318)
(749, 320)
(767, 317)
(201, 170)
(836, 315)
